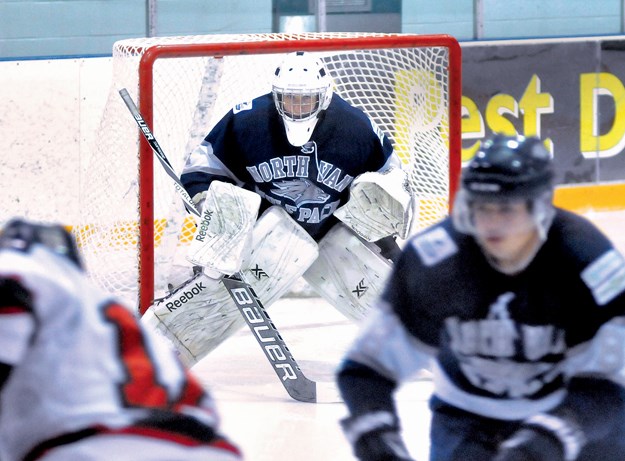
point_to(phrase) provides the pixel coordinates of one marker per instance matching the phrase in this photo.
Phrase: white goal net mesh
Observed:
(185, 89)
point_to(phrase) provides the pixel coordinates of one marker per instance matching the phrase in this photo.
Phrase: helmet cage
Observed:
(298, 105)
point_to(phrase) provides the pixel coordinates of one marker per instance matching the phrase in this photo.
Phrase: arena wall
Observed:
(568, 92)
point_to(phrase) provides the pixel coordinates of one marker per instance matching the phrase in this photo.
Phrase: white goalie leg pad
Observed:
(349, 273)
(379, 205)
(282, 252)
(194, 317)
(222, 235)
(200, 315)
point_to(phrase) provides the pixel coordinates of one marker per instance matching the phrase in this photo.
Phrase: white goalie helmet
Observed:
(302, 89)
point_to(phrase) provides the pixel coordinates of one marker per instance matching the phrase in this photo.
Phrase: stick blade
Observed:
(298, 386)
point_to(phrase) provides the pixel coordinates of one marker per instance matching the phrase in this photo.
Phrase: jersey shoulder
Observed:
(577, 237)
(439, 244)
(356, 126)
(431, 261)
(435, 244)
(247, 121)
(588, 252)
(260, 103)
(340, 109)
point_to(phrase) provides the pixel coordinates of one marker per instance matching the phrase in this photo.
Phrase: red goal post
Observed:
(410, 85)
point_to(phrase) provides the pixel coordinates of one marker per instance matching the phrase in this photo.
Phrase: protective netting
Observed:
(404, 89)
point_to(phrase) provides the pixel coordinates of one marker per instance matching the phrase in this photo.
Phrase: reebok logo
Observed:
(206, 219)
(184, 296)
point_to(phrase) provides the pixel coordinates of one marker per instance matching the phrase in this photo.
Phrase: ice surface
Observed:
(265, 421)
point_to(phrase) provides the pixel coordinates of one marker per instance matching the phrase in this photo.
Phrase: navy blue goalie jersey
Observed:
(249, 147)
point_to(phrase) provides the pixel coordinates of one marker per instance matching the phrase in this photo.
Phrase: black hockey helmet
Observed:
(509, 167)
(20, 234)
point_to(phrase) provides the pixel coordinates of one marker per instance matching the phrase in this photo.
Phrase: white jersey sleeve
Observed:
(385, 346)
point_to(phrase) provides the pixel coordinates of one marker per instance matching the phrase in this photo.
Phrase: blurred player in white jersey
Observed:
(518, 309)
(331, 196)
(80, 378)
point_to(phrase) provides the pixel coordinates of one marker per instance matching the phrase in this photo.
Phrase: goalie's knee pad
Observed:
(282, 252)
(349, 273)
(200, 315)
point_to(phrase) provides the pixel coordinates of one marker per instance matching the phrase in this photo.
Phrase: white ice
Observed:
(265, 421)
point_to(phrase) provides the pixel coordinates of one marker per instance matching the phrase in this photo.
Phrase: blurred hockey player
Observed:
(330, 193)
(517, 307)
(80, 378)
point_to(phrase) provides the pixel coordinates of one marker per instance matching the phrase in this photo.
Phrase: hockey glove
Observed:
(375, 437)
(544, 437)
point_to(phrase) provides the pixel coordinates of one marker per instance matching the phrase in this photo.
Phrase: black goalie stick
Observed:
(298, 386)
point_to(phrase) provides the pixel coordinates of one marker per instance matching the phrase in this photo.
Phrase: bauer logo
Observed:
(265, 333)
(186, 294)
(144, 127)
(203, 228)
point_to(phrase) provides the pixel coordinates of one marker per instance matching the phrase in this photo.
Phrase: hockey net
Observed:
(133, 222)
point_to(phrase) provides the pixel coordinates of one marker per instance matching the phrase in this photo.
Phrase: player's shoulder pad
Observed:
(240, 107)
(434, 245)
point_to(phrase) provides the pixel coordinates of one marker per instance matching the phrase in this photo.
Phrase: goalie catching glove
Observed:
(379, 205)
(375, 436)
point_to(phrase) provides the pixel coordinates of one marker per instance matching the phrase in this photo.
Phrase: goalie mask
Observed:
(302, 89)
(508, 169)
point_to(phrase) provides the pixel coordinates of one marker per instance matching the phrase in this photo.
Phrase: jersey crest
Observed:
(300, 191)
(502, 356)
